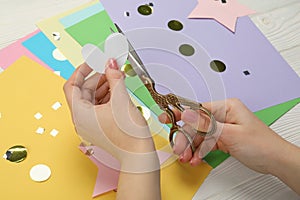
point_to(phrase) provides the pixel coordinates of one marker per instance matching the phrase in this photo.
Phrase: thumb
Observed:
(113, 74)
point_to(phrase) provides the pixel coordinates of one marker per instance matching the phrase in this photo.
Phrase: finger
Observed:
(89, 87)
(102, 80)
(196, 160)
(186, 156)
(180, 143)
(72, 87)
(102, 91)
(164, 118)
(113, 75)
(197, 120)
(105, 99)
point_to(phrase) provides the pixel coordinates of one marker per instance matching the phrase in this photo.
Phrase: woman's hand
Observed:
(104, 115)
(239, 132)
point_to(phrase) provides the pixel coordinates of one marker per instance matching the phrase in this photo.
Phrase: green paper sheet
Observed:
(93, 30)
(96, 29)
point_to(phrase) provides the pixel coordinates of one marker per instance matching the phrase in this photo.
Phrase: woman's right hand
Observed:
(239, 132)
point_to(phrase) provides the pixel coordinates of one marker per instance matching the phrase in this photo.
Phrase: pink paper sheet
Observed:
(225, 13)
(11, 53)
(107, 177)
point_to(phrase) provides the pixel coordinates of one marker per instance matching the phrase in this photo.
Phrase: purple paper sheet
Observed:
(270, 80)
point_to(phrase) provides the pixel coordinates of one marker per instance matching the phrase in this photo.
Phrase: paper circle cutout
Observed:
(217, 66)
(16, 154)
(40, 173)
(186, 50)
(175, 25)
(145, 10)
(58, 55)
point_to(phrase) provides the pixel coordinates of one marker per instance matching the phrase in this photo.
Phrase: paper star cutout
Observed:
(225, 12)
(108, 175)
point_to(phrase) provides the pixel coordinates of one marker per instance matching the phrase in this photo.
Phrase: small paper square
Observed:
(57, 73)
(56, 105)
(54, 132)
(40, 130)
(38, 116)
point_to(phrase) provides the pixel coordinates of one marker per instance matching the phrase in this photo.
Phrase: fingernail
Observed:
(190, 116)
(181, 158)
(191, 162)
(112, 64)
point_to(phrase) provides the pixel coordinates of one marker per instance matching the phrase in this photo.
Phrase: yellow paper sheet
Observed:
(67, 45)
(27, 88)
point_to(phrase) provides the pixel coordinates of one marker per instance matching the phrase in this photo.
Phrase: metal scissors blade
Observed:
(134, 59)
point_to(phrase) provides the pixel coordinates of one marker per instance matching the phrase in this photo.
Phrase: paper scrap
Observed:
(56, 105)
(38, 116)
(225, 13)
(54, 132)
(40, 130)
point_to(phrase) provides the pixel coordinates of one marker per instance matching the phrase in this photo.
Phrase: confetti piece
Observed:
(56, 36)
(1, 70)
(57, 73)
(40, 173)
(38, 116)
(56, 105)
(40, 130)
(54, 132)
(16, 154)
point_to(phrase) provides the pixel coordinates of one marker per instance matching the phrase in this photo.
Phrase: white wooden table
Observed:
(279, 20)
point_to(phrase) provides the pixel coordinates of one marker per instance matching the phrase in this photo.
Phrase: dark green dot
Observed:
(217, 66)
(175, 25)
(186, 50)
(140, 109)
(16, 154)
(145, 10)
(127, 68)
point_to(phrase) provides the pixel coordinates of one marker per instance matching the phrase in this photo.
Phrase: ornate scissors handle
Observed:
(165, 101)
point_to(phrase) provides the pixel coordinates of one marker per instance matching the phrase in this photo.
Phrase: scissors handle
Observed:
(178, 102)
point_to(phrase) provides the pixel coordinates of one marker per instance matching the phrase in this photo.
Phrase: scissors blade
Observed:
(134, 59)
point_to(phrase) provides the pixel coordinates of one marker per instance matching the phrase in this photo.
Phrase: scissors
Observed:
(169, 101)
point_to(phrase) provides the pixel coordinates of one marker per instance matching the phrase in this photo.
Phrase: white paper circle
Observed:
(40, 173)
(57, 54)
